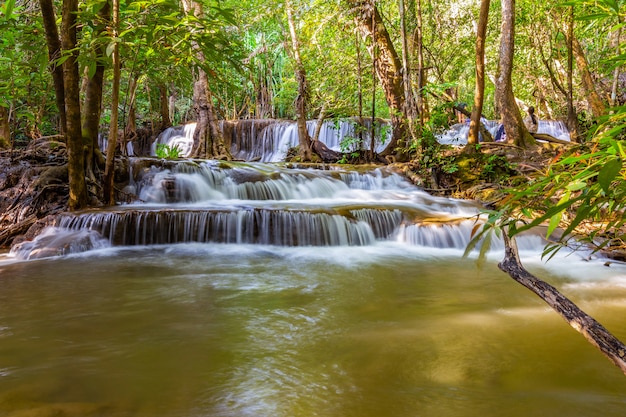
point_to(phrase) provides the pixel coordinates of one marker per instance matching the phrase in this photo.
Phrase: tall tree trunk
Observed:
(92, 106)
(71, 79)
(422, 108)
(410, 106)
(54, 52)
(359, 64)
(171, 103)
(596, 334)
(388, 68)
(572, 121)
(304, 140)
(479, 93)
(374, 54)
(164, 107)
(108, 191)
(596, 105)
(618, 52)
(514, 127)
(5, 128)
(208, 138)
(129, 133)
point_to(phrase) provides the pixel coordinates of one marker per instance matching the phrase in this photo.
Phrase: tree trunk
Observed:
(596, 105)
(514, 127)
(410, 107)
(208, 139)
(108, 189)
(54, 52)
(583, 323)
(71, 80)
(172, 103)
(304, 140)
(5, 128)
(618, 52)
(92, 106)
(479, 93)
(130, 123)
(388, 68)
(360, 88)
(572, 121)
(164, 107)
(422, 108)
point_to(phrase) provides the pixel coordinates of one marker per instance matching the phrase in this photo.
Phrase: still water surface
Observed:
(243, 330)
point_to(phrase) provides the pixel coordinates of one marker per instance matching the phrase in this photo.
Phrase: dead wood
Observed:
(327, 154)
(594, 332)
(549, 138)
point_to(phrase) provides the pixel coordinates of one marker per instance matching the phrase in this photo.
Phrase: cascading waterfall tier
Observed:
(268, 140)
(266, 204)
(457, 134)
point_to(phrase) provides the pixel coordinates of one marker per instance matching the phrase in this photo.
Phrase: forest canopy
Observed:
(250, 65)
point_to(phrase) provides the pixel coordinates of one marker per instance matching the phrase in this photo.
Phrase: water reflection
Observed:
(225, 330)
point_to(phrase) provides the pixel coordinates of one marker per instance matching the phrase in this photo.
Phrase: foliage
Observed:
(168, 152)
(580, 198)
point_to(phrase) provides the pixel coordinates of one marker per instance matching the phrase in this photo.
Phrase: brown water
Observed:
(239, 330)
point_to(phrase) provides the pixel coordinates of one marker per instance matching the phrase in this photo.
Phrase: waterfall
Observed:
(262, 204)
(268, 140)
(457, 133)
(103, 142)
(178, 136)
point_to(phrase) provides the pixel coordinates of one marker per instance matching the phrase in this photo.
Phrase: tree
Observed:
(477, 110)
(71, 80)
(92, 105)
(108, 189)
(54, 53)
(511, 118)
(208, 136)
(388, 68)
(304, 140)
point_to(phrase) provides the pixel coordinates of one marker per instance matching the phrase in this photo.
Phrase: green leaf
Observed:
(8, 9)
(608, 173)
(110, 47)
(554, 223)
(576, 185)
(92, 66)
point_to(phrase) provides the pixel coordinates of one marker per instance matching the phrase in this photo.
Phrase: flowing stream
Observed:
(242, 289)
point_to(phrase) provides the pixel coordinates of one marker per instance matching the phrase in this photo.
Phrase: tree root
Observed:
(594, 332)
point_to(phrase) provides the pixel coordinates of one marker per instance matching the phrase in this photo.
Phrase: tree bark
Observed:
(208, 139)
(592, 331)
(92, 107)
(164, 107)
(410, 106)
(388, 68)
(479, 93)
(304, 140)
(618, 52)
(108, 189)
(71, 80)
(514, 127)
(54, 52)
(5, 128)
(572, 121)
(594, 101)
(421, 72)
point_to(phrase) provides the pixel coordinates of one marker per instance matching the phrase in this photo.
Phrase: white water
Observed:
(269, 141)
(457, 134)
(266, 204)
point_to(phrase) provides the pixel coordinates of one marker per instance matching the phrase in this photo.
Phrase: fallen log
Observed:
(549, 138)
(594, 332)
